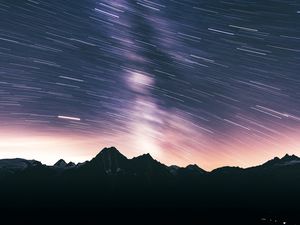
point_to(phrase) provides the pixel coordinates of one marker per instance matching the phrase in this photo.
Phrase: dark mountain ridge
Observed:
(111, 161)
(112, 180)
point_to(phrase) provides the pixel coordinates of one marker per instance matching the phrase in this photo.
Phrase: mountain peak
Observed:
(111, 160)
(195, 167)
(71, 164)
(285, 160)
(288, 157)
(110, 149)
(145, 159)
(60, 163)
(109, 152)
(146, 156)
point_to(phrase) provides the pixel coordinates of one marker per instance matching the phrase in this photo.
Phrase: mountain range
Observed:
(111, 180)
(110, 161)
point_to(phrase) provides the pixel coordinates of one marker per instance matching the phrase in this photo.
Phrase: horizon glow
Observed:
(49, 148)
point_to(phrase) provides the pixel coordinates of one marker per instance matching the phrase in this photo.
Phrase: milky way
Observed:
(207, 82)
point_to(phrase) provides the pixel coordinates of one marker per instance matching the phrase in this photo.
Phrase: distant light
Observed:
(69, 118)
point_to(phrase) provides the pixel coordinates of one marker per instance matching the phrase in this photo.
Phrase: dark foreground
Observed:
(111, 189)
(145, 216)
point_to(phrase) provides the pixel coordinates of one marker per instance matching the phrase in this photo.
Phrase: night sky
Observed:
(209, 82)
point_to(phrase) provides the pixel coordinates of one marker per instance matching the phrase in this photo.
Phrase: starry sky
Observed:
(209, 82)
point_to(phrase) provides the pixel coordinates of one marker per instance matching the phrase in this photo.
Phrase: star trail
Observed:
(208, 82)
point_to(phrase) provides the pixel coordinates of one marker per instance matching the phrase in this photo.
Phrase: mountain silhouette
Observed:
(110, 160)
(284, 161)
(111, 180)
(60, 163)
